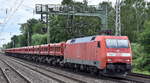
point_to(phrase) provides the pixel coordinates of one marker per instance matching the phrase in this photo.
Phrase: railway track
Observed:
(42, 75)
(134, 78)
(3, 77)
(60, 78)
(139, 75)
(140, 78)
(75, 77)
(120, 80)
(11, 75)
(79, 78)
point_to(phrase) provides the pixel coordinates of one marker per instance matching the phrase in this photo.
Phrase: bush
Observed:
(144, 37)
(38, 39)
(141, 59)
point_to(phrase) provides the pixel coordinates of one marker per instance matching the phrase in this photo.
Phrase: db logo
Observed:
(118, 50)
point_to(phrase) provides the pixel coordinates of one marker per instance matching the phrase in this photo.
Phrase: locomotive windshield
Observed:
(117, 43)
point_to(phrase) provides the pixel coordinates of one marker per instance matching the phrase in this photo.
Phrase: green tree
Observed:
(67, 2)
(22, 40)
(133, 15)
(39, 28)
(141, 57)
(30, 28)
(144, 37)
(38, 39)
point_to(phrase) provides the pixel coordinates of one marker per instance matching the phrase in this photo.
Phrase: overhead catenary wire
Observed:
(15, 10)
(13, 6)
(6, 20)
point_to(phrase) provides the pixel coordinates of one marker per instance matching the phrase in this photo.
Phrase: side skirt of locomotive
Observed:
(83, 65)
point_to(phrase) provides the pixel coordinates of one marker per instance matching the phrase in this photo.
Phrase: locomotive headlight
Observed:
(126, 54)
(111, 54)
(109, 59)
(128, 60)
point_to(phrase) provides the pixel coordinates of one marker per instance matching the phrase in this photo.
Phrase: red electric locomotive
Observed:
(108, 54)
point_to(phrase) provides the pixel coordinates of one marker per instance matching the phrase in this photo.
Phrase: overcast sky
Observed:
(19, 11)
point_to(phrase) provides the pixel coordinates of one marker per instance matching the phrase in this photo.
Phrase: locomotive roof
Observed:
(91, 38)
(81, 40)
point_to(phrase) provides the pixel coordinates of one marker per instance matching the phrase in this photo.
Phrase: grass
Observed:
(141, 71)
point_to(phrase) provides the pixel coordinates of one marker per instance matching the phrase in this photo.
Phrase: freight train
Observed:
(105, 55)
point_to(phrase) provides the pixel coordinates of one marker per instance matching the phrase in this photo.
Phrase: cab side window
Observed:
(98, 44)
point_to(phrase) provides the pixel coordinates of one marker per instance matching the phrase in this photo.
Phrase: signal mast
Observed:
(118, 22)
